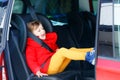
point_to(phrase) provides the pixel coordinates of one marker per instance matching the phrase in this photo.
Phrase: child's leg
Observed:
(64, 65)
(81, 49)
(90, 54)
(73, 53)
(58, 58)
(58, 63)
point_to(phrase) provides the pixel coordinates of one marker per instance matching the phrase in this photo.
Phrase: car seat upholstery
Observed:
(82, 27)
(17, 41)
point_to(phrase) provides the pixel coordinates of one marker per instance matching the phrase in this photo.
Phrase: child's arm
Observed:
(31, 60)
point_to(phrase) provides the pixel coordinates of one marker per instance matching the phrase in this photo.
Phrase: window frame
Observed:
(6, 24)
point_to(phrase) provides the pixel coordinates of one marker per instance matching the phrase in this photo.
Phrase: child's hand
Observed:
(39, 74)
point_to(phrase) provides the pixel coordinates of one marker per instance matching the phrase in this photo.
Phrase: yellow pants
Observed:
(63, 56)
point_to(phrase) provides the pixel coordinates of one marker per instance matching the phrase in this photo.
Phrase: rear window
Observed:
(18, 6)
(55, 9)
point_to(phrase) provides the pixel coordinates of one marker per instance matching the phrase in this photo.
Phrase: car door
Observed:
(5, 17)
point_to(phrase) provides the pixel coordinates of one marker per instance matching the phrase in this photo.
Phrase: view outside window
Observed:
(109, 29)
(18, 6)
(52, 7)
(105, 40)
(117, 28)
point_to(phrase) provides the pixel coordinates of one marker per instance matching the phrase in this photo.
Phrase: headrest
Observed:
(43, 19)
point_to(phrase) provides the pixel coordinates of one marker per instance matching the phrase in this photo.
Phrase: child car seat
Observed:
(17, 39)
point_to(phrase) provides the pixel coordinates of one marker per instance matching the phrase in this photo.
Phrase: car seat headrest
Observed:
(43, 19)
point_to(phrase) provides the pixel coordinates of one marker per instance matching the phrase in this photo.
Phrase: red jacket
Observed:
(36, 54)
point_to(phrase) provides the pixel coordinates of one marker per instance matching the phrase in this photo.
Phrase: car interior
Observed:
(74, 28)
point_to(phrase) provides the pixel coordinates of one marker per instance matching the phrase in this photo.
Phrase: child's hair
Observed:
(33, 25)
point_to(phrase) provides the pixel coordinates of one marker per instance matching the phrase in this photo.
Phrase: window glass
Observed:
(109, 29)
(18, 6)
(117, 28)
(53, 9)
(95, 6)
(105, 24)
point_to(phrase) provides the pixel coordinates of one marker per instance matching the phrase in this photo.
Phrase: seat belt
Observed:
(31, 9)
(39, 41)
(34, 17)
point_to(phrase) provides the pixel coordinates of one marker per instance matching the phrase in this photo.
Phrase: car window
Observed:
(53, 9)
(108, 28)
(117, 28)
(18, 6)
(56, 10)
(105, 44)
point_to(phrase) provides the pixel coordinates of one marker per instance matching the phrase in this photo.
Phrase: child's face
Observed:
(40, 32)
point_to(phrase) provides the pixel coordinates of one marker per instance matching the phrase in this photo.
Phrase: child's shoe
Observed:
(90, 57)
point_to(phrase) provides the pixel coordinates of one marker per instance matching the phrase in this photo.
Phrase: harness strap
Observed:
(39, 41)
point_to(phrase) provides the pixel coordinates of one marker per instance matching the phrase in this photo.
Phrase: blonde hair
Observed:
(33, 25)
